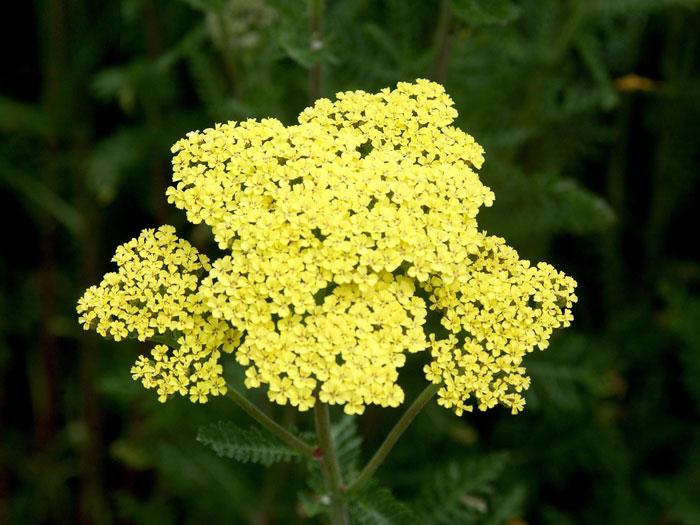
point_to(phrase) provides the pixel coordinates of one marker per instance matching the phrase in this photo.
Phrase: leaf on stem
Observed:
(347, 445)
(376, 505)
(245, 444)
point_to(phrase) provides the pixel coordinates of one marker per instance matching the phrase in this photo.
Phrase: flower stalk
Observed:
(393, 436)
(274, 427)
(329, 464)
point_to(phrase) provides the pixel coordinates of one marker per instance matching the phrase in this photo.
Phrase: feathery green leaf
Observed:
(375, 505)
(244, 445)
(456, 493)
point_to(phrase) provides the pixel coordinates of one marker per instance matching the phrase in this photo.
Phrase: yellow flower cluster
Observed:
(330, 227)
(497, 312)
(154, 293)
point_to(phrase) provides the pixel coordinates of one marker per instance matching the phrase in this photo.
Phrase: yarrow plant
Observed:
(340, 233)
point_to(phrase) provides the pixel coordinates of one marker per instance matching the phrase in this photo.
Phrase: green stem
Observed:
(393, 436)
(329, 464)
(316, 26)
(443, 41)
(281, 432)
(227, 52)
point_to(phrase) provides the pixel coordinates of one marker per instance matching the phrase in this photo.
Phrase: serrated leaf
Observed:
(455, 493)
(478, 12)
(244, 445)
(374, 505)
(347, 444)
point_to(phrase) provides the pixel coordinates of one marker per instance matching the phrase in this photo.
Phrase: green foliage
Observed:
(113, 159)
(347, 445)
(623, 7)
(542, 205)
(458, 492)
(19, 117)
(476, 12)
(587, 172)
(40, 197)
(208, 81)
(244, 444)
(682, 318)
(564, 378)
(375, 505)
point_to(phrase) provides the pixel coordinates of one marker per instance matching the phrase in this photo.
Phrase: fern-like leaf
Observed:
(244, 444)
(375, 505)
(456, 493)
(347, 445)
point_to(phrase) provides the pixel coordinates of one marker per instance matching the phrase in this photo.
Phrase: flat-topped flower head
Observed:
(335, 227)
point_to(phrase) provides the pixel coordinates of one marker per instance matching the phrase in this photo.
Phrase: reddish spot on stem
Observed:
(317, 453)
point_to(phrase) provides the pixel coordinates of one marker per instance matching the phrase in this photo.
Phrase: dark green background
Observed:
(593, 171)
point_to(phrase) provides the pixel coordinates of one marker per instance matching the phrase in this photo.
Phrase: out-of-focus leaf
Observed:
(36, 192)
(300, 52)
(121, 82)
(507, 507)
(112, 158)
(381, 38)
(20, 117)
(682, 317)
(623, 7)
(184, 45)
(565, 376)
(478, 12)
(375, 505)
(456, 492)
(592, 57)
(541, 205)
(205, 6)
(208, 81)
(313, 505)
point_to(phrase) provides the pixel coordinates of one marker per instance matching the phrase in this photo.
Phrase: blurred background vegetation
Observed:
(589, 111)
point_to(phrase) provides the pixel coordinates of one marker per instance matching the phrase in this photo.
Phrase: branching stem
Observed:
(281, 432)
(393, 436)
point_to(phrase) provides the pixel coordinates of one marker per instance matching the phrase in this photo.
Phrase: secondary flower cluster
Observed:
(331, 228)
(154, 293)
